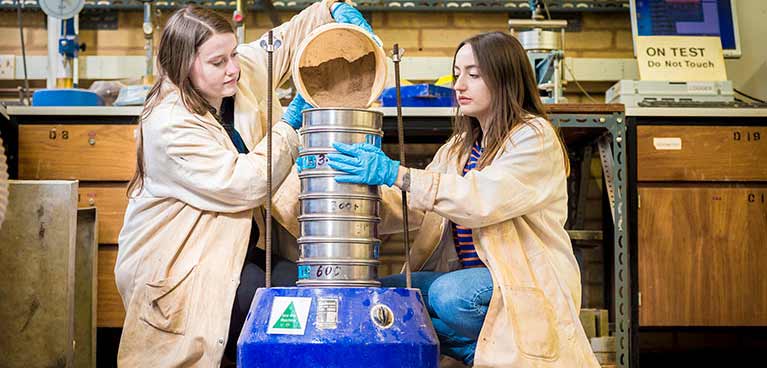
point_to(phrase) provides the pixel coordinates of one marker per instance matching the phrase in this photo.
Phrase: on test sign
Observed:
(680, 59)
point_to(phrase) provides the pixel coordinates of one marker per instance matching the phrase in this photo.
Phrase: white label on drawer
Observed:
(667, 144)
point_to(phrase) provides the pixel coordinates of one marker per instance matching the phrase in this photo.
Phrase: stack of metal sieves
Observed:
(338, 222)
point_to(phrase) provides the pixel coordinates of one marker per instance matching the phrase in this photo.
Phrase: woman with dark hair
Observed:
(188, 263)
(495, 264)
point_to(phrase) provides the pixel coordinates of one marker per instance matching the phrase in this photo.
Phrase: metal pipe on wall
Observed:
(239, 20)
(54, 29)
(148, 29)
(76, 59)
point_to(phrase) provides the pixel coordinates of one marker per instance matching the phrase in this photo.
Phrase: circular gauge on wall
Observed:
(61, 9)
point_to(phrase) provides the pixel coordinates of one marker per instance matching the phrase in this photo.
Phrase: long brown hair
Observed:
(507, 72)
(187, 29)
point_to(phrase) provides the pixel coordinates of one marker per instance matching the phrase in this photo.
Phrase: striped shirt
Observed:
(464, 244)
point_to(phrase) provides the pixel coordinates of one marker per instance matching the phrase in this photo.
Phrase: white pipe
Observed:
(556, 93)
(54, 29)
(148, 29)
(76, 61)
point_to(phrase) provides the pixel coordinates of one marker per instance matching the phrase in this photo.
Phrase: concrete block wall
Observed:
(601, 35)
(605, 35)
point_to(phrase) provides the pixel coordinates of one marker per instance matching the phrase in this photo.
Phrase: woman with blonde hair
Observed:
(188, 264)
(493, 260)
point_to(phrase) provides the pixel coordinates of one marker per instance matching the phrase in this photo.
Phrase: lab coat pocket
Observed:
(533, 323)
(166, 302)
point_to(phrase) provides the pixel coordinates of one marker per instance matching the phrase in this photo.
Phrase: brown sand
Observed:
(340, 83)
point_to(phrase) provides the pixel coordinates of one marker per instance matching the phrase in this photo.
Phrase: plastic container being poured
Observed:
(340, 66)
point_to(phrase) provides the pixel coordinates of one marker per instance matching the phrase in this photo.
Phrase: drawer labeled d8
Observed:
(84, 152)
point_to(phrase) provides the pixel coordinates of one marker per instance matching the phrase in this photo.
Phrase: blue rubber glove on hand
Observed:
(364, 163)
(293, 113)
(345, 13)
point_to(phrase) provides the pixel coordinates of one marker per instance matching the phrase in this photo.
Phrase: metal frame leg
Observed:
(623, 292)
(616, 163)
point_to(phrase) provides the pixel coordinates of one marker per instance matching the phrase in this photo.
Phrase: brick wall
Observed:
(605, 35)
(421, 34)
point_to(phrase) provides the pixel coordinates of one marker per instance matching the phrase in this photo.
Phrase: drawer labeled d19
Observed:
(84, 152)
(701, 153)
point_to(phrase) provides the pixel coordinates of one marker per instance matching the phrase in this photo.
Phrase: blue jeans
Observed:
(457, 303)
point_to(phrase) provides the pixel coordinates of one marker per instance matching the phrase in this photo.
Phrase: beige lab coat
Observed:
(516, 208)
(185, 236)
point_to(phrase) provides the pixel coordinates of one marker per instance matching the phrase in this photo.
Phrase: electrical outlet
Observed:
(7, 66)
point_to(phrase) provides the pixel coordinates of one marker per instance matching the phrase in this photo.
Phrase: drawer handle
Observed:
(91, 199)
(92, 138)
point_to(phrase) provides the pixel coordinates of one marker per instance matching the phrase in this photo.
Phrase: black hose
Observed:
(745, 95)
(25, 93)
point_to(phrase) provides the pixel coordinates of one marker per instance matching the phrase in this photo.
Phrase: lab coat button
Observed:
(221, 341)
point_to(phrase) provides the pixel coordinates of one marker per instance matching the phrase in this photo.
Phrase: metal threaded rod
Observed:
(396, 58)
(270, 83)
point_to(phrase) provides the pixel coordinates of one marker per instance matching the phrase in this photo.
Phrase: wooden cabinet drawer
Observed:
(701, 153)
(109, 310)
(84, 152)
(110, 201)
(702, 254)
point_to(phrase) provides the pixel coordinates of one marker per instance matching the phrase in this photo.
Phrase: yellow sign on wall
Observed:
(680, 59)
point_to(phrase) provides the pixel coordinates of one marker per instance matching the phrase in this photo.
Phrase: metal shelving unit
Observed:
(614, 165)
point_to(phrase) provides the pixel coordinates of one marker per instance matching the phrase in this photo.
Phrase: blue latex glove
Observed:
(345, 13)
(293, 113)
(364, 164)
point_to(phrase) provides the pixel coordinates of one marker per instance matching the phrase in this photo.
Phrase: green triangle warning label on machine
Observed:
(289, 315)
(288, 318)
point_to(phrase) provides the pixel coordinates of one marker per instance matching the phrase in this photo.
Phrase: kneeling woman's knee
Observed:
(445, 296)
(448, 296)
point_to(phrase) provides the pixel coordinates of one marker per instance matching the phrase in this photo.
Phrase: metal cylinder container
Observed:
(540, 40)
(338, 239)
